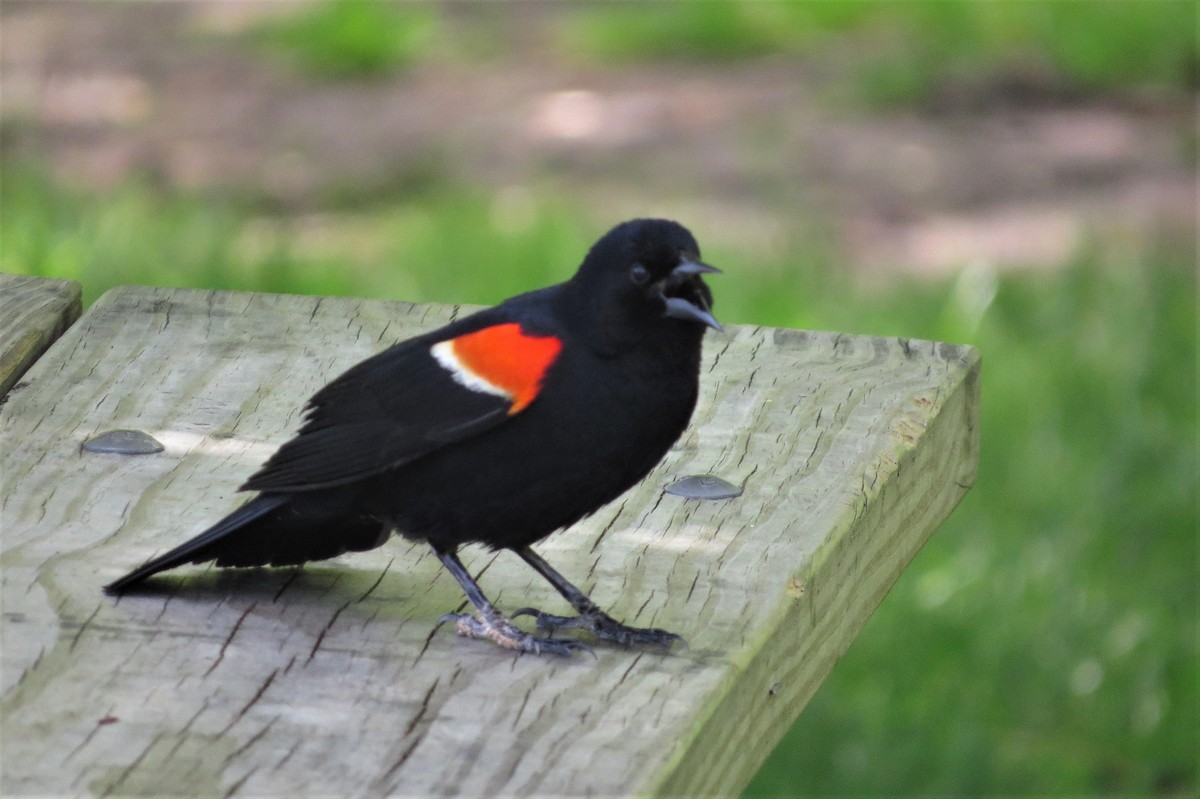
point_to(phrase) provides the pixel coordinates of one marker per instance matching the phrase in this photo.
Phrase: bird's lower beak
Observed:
(681, 308)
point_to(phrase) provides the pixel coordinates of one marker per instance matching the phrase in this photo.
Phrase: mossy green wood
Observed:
(331, 679)
(34, 311)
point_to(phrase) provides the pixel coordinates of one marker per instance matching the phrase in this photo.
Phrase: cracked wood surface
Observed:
(34, 311)
(331, 679)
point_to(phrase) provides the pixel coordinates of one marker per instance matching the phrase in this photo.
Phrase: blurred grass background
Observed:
(1045, 640)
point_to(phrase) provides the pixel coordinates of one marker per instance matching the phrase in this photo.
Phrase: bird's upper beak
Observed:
(681, 308)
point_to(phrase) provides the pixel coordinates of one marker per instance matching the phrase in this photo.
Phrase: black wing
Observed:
(388, 411)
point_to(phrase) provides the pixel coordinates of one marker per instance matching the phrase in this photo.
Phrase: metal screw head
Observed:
(704, 486)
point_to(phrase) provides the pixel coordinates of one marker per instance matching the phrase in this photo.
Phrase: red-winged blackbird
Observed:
(499, 428)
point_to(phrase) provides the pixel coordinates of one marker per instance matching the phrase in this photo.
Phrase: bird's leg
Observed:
(590, 617)
(490, 623)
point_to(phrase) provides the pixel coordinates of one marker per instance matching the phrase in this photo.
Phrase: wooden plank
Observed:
(34, 311)
(328, 680)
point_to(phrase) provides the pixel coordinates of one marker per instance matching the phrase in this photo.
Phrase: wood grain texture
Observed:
(34, 311)
(330, 679)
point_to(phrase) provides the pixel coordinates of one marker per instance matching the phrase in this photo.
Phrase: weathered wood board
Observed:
(330, 680)
(34, 311)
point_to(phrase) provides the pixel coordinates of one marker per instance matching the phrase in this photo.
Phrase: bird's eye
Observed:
(639, 274)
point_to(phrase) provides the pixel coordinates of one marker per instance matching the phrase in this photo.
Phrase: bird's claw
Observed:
(506, 634)
(604, 626)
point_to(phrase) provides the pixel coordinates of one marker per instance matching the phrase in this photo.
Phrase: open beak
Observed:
(678, 307)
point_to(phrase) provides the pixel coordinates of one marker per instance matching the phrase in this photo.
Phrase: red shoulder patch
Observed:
(501, 360)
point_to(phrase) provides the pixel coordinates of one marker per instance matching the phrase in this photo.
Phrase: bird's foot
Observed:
(603, 626)
(494, 627)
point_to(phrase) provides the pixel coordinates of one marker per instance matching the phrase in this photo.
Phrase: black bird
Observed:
(498, 429)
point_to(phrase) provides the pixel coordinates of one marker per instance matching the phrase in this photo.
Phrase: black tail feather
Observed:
(199, 549)
(274, 529)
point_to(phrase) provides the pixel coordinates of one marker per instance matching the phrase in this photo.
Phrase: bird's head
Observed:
(648, 272)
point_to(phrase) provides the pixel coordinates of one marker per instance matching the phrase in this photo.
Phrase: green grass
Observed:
(1044, 641)
(351, 38)
(412, 250)
(1074, 47)
(707, 30)
(907, 51)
